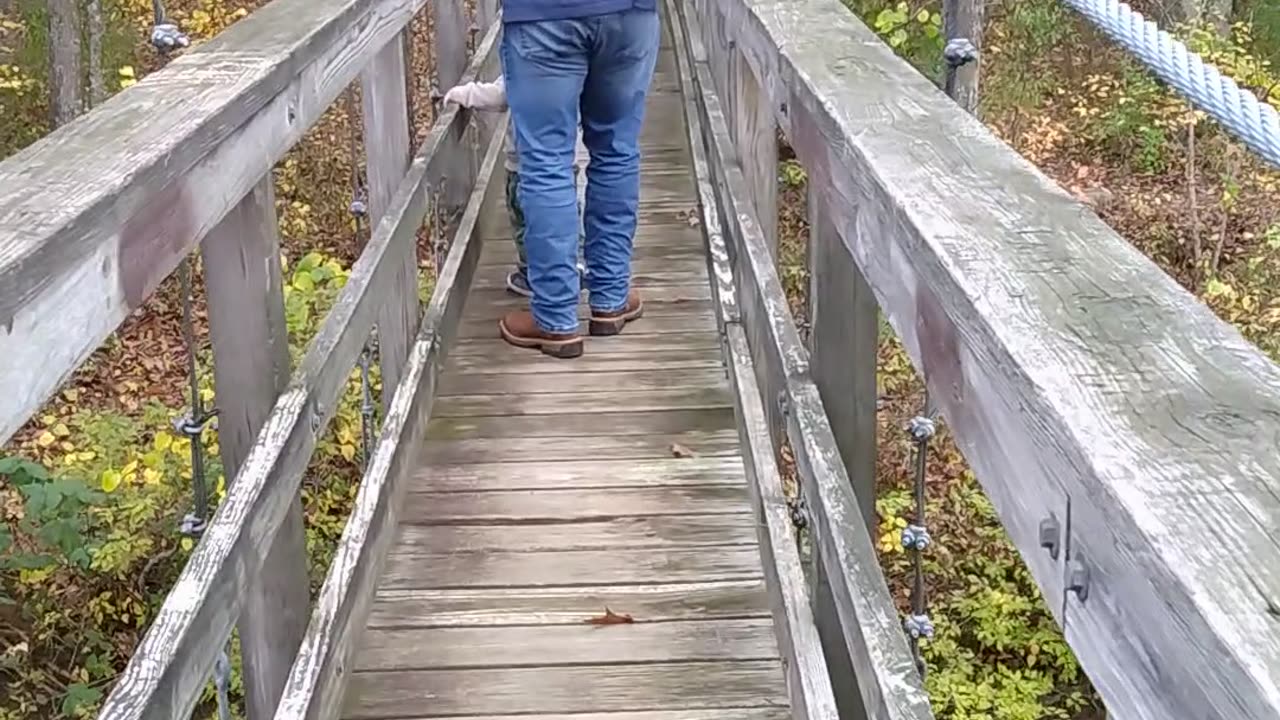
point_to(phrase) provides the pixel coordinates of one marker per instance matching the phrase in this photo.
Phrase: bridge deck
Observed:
(552, 490)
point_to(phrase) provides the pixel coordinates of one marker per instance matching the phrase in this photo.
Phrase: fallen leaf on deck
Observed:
(610, 618)
(680, 451)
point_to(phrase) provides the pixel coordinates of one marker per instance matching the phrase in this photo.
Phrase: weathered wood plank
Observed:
(508, 364)
(536, 506)
(401, 649)
(646, 260)
(494, 304)
(167, 673)
(622, 400)
(583, 533)
(727, 686)
(582, 474)
(727, 714)
(756, 139)
(713, 443)
(386, 141)
(591, 423)
(479, 327)
(457, 383)
(809, 685)
(887, 678)
(1068, 366)
(449, 50)
(657, 231)
(568, 605)
(844, 339)
(320, 674)
(654, 346)
(250, 341)
(95, 215)
(673, 294)
(615, 566)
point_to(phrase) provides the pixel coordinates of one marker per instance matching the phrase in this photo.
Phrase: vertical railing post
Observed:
(386, 142)
(755, 135)
(843, 343)
(450, 43)
(962, 27)
(251, 368)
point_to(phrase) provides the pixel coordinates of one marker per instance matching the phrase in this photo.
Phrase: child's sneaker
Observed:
(518, 282)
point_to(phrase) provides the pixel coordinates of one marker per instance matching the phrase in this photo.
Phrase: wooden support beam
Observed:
(318, 682)
(755, 135)
(386, 142)
(1078, 378)
(962, 20)
(861, 617)
(450, 44)
(251, 369)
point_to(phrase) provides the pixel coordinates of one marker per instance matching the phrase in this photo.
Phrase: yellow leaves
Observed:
(46, 439)
(111, 480)
(890, 540)
(187, 544)
(163, 441)
(61, 430)
(348, 452)
(127, 77)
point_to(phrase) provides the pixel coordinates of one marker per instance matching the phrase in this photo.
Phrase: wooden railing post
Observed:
(843, 338)
(450, 42)
(386, 141)
(251, 369)
(755, 134)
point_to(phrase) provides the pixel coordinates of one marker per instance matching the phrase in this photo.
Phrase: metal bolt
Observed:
(921, 429)
(1078, 580)
(784, 403)
(959, 52)
(1050, 530)
(918, 626)
(915, 537)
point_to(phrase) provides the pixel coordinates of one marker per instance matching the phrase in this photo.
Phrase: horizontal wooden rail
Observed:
(887, 680)
(95, 215)
(319, 677)
(1126, 435)
(167, 673)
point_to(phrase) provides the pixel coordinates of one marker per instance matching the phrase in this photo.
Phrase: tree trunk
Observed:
(64, 61)
(97, 90)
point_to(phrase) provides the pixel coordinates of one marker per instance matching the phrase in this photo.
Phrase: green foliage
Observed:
(1020, 47)
(914, 32)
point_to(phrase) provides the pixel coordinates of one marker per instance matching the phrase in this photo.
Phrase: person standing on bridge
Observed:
(565, 62)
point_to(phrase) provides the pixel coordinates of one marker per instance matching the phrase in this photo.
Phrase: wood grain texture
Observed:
(887, 678)
(809, 685)
(1072, 371)
(449, 49)
(523, 533)
(756, 138)
(597, 424)
(385, 104)
(677, 323)
(582, 474)
(516, 364)
(740, 713)
(601, 402)
(94, 216)
(568, 605)
(520, 691)
(401, 649)
(602, 381)
(251, 368)
(578, 504)
(320, 674)
(490, 569)
(712, 443)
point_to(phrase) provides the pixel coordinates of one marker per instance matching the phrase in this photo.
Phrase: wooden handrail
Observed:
(1097, 401)
(95, 215)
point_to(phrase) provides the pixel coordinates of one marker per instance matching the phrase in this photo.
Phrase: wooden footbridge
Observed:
(607, 538)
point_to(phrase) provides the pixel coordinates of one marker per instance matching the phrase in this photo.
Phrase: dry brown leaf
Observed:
(680, 451)
(610, 618)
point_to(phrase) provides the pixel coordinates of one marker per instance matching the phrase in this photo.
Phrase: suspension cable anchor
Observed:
(915, 537)
(918, 626)
(799, 512)
(192, 526)
(193, 427)
(959, 52)
(921, 429)
(166, 37)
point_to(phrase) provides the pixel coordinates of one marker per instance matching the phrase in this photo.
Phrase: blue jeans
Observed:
(600, 67)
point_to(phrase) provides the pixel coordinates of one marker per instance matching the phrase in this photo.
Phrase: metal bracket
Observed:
(1051, 535)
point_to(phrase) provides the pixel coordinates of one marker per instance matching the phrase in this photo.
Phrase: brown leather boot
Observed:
(519, 329)
(612, 323)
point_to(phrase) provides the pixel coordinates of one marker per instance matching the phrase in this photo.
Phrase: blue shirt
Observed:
(530, 10)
